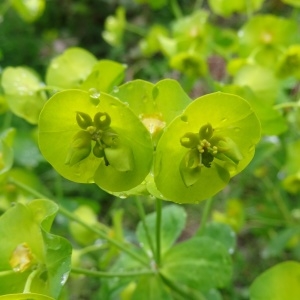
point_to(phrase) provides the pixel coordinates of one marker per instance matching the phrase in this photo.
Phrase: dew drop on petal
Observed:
(115, 89)
(123, 196)
(94, 93)
(64, 278)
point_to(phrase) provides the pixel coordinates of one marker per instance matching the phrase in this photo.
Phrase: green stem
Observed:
(8, 272)
(249, 9)
(7, 120)
(113, 274)
(158, 229)
(205, 214)
(180, 290)
(143, 219)
(29, 280)
(91, 248)
(103, 235)
(277, 198)
(287, 105)
(135, 29)
(73, 217)
(176, 9)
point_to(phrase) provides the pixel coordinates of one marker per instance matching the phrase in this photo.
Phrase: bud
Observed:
(98, 150)
(190, 168)
(189, 140)
(83, 120)
(228, 150)
(102, 120)
(206, 132)
(110, 138)
(80, 148)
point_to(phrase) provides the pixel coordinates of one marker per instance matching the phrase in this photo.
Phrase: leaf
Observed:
(106, 74)
(22, 88)
(70, 69)
(151, 288)
(57, 127)
(6, 152)
(26, 296)
(279, 282)
(221, 233)
(29, 11)
(230, 116)
(281, 241)
(200, 263)
(46, 253)
(173, 222)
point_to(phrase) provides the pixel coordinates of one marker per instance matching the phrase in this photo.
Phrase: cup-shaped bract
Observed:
(115, 27)
(267, 31)
(226, 8)
(70, 69)
(29, 11)
(226, 152)
(115, 152)
(23, 92)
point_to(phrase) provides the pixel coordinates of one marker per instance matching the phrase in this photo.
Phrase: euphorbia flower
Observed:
(91, 141)
(213, 140)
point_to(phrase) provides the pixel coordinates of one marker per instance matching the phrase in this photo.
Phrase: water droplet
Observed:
(113, 105)
(126, 104)
(94, 96)
(123, 196)
(64, 278)
(224, 120)
(251, 148)
(94, 93)
(116, 89)
(184, 118)
(237, 129)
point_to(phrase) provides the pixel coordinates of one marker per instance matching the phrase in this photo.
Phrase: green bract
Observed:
(29, 10)
(22, 88)
(282, 281)
(226, 8)
(70, 69)
(114, 27)
(267, 31)
(31, 250)
(88, 142)
(200, 150)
